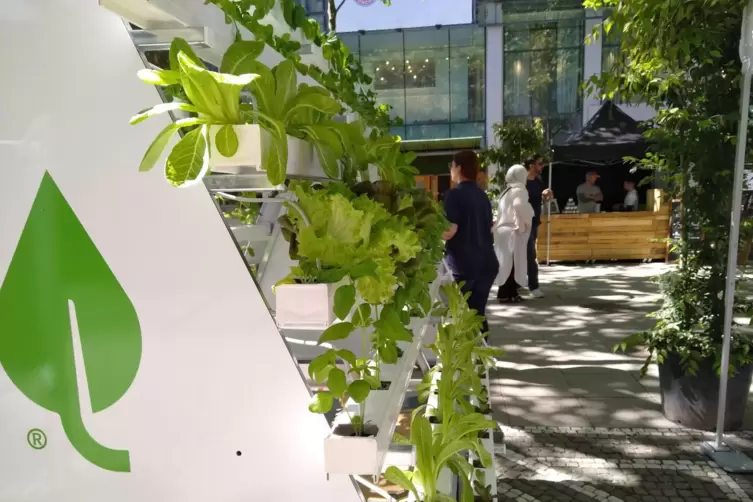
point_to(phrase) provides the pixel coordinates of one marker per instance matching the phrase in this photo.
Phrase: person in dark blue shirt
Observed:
(470, 243)
(537, 191)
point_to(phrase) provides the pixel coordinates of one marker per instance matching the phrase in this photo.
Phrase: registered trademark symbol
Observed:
(36, 439)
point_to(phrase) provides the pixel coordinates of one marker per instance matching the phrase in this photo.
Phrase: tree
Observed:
(333, 7)
(518, 138)
(681, 57)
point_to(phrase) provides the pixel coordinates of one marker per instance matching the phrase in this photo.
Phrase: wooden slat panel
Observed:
(642, 236)
(605, 236)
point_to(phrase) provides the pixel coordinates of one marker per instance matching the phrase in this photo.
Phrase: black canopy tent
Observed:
(607, 138)
(602, 144)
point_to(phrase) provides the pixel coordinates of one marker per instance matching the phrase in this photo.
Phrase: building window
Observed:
(317, 10)
(610, 52)
(543, 67)
(433, 78)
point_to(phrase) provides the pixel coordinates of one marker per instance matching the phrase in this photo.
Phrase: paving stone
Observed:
(587, 464)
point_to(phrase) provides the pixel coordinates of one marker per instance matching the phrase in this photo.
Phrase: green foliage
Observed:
(344, 78)
(245, 212)
(684, 324)
(518, 138)
(283, 107)
(482, 491)
(460, 348)
(689, 72)
(214, 97)
(348, 236)
(443, 447)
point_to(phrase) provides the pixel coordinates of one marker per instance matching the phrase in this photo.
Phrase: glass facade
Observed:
(543, 68)
(432, 77)
(610, 52)
(316, 9)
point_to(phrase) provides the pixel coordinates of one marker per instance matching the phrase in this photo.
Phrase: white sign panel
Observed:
(138, 361)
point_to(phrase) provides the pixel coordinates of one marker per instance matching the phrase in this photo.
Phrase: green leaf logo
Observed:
(62, 307)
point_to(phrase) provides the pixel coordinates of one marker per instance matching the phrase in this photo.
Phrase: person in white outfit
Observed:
(511, 232)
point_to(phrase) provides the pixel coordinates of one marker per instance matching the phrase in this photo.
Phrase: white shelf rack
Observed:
(368, 455)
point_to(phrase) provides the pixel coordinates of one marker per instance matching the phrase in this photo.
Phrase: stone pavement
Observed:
(578, 423)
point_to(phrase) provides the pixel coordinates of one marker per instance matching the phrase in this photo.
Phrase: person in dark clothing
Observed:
(470, 243)
(537, 192)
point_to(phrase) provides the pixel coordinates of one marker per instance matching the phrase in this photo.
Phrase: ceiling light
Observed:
(393, 68)
(388, 63)
(427, 60)
(381, 78)
(414, 76)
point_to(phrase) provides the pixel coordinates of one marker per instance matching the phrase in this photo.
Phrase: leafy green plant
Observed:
(517, 139)
(483, 492)
(682, 323)
(364, 371)
(345, 77)
(245, 212)
(347, 236)
(441, 448)
(284, 107)
(213, 97)
(460, 348)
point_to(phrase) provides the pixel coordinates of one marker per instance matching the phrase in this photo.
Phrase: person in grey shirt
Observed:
(589, 194)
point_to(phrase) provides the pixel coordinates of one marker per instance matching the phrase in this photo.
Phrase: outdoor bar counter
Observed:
(606, 236)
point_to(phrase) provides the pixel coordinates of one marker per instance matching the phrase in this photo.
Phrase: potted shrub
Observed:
(691, 136)
(686, 345)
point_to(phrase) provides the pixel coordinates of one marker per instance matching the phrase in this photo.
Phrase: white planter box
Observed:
(302, 159)
(248, 158)
(350, 454)
(305, 306)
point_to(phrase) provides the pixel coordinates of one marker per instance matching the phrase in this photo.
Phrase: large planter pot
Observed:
(692, 401)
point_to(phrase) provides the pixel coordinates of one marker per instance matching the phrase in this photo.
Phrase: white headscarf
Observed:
(516, 178)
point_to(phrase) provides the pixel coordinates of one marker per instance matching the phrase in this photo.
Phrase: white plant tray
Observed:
(367, 455)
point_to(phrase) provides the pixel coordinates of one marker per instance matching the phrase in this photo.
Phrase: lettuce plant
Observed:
(459, 345)
(443, 447)
(482, 491)
(283, 107)
(347, 236)
(213, 99)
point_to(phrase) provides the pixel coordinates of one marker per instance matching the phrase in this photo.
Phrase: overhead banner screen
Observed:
(370, 15)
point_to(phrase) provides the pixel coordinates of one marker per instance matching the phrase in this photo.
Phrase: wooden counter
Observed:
(605, 236)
